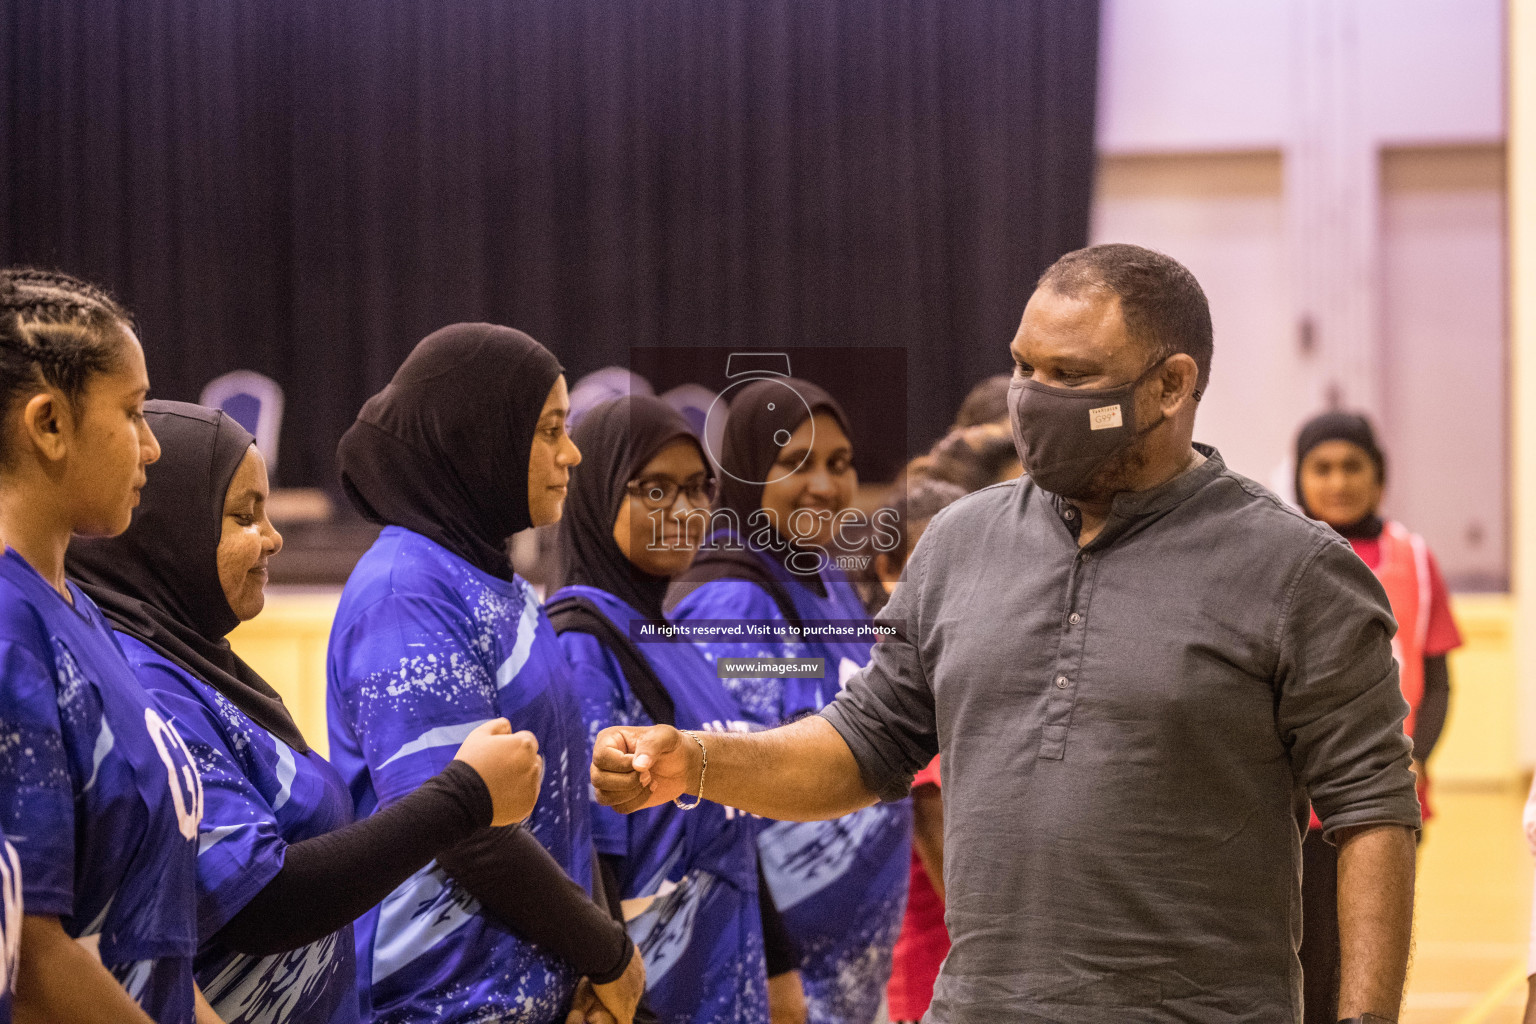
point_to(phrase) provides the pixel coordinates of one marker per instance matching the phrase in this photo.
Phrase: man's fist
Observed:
(509, 764)
(637, 767)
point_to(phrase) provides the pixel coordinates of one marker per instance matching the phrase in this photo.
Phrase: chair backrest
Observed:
(600, 386)
(254, 401)
(694, 402)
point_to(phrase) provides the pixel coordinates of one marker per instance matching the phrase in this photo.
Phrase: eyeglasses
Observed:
(660, 492)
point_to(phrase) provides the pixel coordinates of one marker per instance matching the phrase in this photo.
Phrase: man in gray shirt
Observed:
(1138, 666)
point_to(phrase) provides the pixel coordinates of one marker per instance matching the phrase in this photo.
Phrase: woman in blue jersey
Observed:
(98, 792)
(687, 878)
(281, 869)
(787, 473)
(10, 925)
(436, 634)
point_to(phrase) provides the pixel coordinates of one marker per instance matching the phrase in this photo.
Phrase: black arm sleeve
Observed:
(332, 879)
(610, 868)
(779, 947)
(524, 888)
(1432, 709)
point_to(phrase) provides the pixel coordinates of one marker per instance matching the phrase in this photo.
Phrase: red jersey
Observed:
(924, 941)
(1422, 606)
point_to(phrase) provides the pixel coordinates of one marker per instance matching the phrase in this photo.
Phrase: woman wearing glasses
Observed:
(787, 478)
(686, 875)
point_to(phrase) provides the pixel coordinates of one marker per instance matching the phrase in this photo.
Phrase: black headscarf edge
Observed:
(157, 584)
(428, 452)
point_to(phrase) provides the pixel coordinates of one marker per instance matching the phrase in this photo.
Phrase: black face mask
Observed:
(1064, 436)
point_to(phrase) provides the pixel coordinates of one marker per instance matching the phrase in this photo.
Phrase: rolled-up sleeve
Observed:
(1340, 705)
(886, 714)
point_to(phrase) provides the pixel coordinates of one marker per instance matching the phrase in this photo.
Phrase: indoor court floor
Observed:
(1473, 914)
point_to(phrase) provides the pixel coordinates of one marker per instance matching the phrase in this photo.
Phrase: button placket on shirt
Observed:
(1062, 696)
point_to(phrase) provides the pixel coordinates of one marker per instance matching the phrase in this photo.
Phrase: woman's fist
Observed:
(509, 764)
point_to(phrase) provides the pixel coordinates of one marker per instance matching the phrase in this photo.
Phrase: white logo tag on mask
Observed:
(1105, 417)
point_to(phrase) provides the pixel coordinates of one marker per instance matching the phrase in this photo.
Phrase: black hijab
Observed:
(756, 429)
(1357, 430)
(159, 581)
(617, 439)
(443, 450)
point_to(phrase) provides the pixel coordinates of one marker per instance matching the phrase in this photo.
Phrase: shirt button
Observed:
(1070, 514)
(1062, 682)
(1086, 557)
(1074, 618)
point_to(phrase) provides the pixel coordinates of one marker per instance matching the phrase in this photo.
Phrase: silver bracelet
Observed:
(703, 768)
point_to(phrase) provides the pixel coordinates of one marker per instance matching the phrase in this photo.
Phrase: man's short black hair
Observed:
(1162, 303)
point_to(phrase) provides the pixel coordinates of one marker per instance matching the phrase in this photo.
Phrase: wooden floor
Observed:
(1473, 913)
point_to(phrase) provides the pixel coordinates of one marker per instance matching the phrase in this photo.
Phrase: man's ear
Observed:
(1180, 377)
(46, 423)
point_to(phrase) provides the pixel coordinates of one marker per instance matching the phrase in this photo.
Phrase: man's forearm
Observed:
(803, 771)
(1376, 867)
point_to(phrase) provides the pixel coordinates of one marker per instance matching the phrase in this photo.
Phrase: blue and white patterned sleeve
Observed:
(605, 701)
(37, 805)
(239, 847)
(413, 682)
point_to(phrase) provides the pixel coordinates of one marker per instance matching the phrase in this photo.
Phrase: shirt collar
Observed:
(1129, 505)
(1166, 495)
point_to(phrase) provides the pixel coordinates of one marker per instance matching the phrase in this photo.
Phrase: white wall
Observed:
(1446, 411)
(1223, 216)
(1331, 171)
(1196, 75)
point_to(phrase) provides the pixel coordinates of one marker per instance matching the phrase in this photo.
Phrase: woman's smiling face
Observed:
(811, 481)
(247, 538)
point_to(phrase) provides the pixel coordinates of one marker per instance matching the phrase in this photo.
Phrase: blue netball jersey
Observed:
(690, 882)
(98, 792)
(259, 795)
(425, 648)
(841, 886)
(10, 925)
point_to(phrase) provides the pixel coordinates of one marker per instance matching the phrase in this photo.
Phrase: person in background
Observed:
(978, 450)
(973, 458)
(435, 635)
(1340, 476)
(12, 910)
(282, 869)
(787, 474)
(97, 788)
(684, 878)
(1135, 662)
(985, 403)
(924, 941)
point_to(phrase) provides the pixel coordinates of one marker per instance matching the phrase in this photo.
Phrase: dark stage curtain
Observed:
(306, 189)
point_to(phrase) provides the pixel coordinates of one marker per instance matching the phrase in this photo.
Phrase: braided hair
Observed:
(55, 331)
